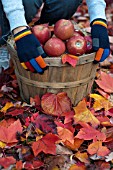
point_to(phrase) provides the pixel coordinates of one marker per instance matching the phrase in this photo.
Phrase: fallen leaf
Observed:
(7, 161)
(89, 133)
(105, 82)
(83, 157)
(65, 135)
(76, 145)
(77, 167)
(35, 101)
(7, 106)
(19, 165)
(100, 102)
(83, 114)
(97, 148)
(8, 134)
(45, 123)
(46, 144)
(56, 104)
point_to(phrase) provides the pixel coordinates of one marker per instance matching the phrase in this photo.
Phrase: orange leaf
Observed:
(35, 100)
(77, 167)
(83, 157)
(76, 145)
(89, 133)
(105, 82)
(7, 161)
(45, 144)
(71, 59)
(65, 134)
(19, 165)
(8, 134)
(83, 114)
(56, 104)
(97, 148)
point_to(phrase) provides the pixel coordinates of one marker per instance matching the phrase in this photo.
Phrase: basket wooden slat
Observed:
(76, 82)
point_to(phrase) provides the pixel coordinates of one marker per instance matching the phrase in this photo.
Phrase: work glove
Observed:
(100, 39)
(29, 51)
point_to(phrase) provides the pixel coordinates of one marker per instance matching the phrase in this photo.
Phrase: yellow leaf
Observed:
(100, 102)
(7, 106)
(2, 144)
(77, 167)
(55, 168)
(83, 114)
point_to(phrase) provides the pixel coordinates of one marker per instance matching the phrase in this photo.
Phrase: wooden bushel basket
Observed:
(76, 82)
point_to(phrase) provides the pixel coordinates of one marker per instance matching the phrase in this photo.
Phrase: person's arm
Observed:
(96, 9)
(29, 50)
(14, 11)
(99, 31)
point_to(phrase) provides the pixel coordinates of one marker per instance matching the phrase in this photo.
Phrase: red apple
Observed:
(76, 45)
(89, 44)
(42, 32)
(63, 29)
(54, 47)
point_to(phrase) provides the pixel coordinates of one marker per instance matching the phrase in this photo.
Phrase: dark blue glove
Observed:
(29, 51)
(100, 40)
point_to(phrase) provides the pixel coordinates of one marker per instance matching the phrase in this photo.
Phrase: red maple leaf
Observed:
(89, 133)
(8, 134)
(45, 144)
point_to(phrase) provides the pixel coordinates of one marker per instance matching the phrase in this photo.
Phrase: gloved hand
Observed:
(100, 40)
(29, 51)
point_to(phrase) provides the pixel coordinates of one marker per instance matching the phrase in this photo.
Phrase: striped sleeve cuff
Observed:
(22, 34)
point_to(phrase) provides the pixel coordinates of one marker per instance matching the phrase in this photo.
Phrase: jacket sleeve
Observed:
(96, 9)
(14, 11)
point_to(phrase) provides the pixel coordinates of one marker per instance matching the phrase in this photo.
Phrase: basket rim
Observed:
(55, 61)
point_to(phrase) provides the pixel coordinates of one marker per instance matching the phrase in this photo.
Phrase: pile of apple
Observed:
(63, 38)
